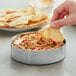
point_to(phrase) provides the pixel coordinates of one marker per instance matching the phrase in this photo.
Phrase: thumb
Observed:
(61, 22)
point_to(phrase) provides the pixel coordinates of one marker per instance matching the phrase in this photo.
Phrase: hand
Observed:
(64, 15)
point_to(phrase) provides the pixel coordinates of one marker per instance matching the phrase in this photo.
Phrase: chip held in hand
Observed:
(54, 34)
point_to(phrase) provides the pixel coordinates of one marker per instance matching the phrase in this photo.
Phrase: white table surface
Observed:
(8, 67)
(67, 67)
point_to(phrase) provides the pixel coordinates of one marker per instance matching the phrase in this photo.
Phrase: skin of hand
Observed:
(64, 15)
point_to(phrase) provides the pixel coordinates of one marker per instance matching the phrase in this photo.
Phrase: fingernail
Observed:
(52, 25)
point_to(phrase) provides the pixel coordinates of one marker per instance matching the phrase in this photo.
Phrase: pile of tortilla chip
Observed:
(22, 18)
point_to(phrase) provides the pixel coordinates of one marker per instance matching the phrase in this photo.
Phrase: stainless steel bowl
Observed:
(37, 57)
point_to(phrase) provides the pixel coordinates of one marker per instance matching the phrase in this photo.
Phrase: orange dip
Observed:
(34, 41)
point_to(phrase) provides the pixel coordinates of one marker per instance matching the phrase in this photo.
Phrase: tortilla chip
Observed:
(2, 19)
(22, 20)
(54, 34)
(9, 11)
(3, 25)
(19, 26)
